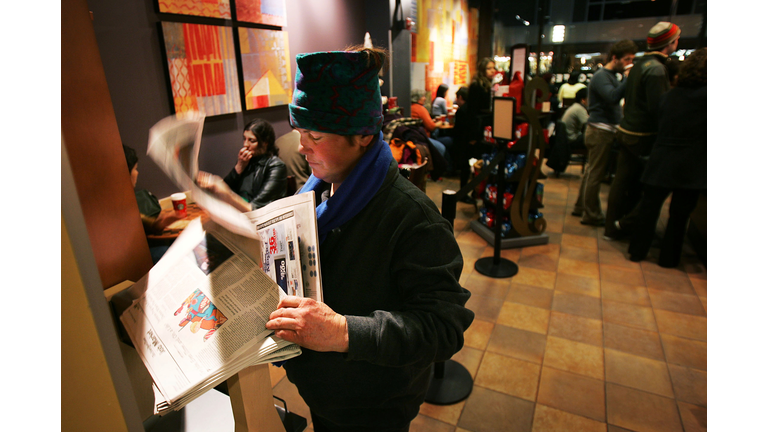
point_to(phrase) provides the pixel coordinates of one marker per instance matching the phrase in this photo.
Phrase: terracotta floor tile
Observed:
(632, 340)
(490, 411)
(576, 228)
(690, 384)
(612, 428)
(470, 358)
(634, 294)
(535, 277)
(423, 423)
(572, 393)
(551, 250)
(621, 275)
(574, 357)
(641, 411)
(694, 417)
(575, 304)
(617, 259)
(670, 301)
(554, 226)
(700, 286)
(543, 257)
(509, 376)
(555, 237)
(520, 344)
(485, 308)
(638, 372)
(482, 285)
(547, 419)
(668, 282)
(654, 267)
(576, 328)
(579, 254)
(531, 296)
(576, 284)
(541, 262)
(524, 317)
(578, 268)
(445, 413)
(629, 315)
(478, 334)
(685, 352)
(690, 326)
(572, 240)
(619, 246)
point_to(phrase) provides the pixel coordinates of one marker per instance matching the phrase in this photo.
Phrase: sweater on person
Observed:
(393, 271)
(604, 96)
(575, 118)
(647, 81)
(439, 107)
(418, 111)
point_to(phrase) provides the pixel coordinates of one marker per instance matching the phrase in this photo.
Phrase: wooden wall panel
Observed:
(90, 134)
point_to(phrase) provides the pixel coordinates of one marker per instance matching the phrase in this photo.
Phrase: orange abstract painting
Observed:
(206, 8)
(266, 67)
(270, 12)
(202, 68)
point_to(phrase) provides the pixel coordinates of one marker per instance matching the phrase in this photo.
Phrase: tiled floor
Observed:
(581, 339)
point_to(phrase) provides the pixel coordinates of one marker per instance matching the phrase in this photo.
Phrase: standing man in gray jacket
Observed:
(638, 128)
(605, 94)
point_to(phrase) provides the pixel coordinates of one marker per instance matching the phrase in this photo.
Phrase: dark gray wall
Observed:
(130, 47)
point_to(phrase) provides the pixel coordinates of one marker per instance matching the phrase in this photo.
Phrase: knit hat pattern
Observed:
(662, 34)
(337, 92)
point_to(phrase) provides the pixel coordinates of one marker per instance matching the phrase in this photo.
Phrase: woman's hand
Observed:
(216, 185)
(243, 157)
(213, 184)
(310, 324)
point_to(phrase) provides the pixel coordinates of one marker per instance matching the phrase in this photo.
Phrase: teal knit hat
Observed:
(337, 92)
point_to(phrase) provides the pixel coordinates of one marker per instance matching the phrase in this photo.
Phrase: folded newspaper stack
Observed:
(199, 316)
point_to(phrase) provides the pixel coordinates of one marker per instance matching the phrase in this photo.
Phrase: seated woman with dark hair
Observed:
(259, 176)
(439, 104)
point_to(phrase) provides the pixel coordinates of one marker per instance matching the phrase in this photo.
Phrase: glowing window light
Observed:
(558, 33)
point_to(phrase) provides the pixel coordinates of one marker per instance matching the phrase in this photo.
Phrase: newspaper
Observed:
(199, 316)
(174, 145)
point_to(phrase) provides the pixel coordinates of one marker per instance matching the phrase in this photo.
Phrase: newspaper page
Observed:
(174, 145)
(302, 206)
(203, 308)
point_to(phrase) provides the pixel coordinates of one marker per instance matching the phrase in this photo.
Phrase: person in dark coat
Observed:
(677, 163)
(479, 97)
(259, 176)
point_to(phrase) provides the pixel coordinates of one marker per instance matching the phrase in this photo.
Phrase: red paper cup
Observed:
(179, 204)
(392, 102)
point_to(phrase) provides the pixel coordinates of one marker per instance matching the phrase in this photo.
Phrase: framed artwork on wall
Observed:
(205, 8)
(266, 62)
(202, 68)
(269, 12)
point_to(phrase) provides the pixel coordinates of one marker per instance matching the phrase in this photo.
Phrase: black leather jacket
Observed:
(261, 182)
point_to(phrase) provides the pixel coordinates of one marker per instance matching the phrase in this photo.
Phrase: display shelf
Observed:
(524, 181)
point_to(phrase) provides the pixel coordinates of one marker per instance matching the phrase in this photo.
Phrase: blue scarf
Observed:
(356, 191)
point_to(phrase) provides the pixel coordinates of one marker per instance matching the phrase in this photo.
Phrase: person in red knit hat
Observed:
(646, 82)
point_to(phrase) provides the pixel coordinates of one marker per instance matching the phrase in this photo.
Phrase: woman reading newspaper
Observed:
(389, 262)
